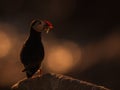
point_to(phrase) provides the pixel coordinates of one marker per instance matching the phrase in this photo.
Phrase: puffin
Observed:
(32, 53)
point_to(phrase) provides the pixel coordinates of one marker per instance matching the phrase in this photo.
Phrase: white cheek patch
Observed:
(35, 25)
(39, 26)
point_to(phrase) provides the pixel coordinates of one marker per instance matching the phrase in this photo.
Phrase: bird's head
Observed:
(40, 25)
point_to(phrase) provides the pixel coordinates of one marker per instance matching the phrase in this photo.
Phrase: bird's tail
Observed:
(31, 71)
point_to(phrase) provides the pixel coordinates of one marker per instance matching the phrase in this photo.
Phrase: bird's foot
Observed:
(39, 73)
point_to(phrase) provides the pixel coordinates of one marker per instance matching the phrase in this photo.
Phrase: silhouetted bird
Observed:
(32, 52)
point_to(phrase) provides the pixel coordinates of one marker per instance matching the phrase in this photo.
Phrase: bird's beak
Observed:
(48, 26)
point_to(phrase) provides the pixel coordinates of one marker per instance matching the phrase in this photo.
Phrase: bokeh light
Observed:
(97, 52)
(62, 57)
(5, 44)
(10, 67)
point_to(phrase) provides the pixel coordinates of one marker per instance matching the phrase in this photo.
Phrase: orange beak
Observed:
(48, 26)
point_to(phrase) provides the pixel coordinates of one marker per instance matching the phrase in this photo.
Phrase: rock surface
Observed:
(55, 82)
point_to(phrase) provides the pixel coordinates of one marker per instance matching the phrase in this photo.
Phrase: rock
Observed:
(55, 82)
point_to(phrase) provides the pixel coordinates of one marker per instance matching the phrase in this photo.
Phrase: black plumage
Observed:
(32, 52)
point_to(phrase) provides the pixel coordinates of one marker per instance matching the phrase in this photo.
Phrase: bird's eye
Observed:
(39, 22)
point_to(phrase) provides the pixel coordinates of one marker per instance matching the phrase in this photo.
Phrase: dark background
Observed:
(93, 24)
